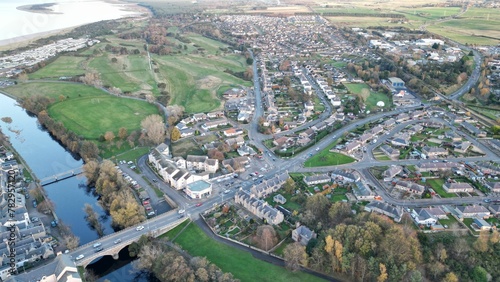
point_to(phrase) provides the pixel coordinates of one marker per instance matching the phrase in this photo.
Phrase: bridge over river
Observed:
(60, 176)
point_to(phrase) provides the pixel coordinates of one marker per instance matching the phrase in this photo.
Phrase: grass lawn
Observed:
(449, 221)
(53, 90)
(326, 158)
(113, 74)
(370, 98)
(240, 263)
(93, 116)
(437, 185)
(338, 198)
(133, 154)
(62, 66)
(185, 147)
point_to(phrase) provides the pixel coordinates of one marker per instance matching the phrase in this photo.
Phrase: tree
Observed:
(92, 78)
(175, 135)
(318, 205)
(109, 136)
(481, 243)
(125, 210)
(122, 133)
(154, 128)
(249, 61)
(479, 274)
(289, 186)
(266, 237)
(450, 277)
(295, 255)
(89, 150)
(383, 273)
(93, 219)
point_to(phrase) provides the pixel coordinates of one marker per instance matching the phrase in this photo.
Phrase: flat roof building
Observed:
(199, 189)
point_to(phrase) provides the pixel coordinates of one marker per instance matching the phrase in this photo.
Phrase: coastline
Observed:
(44, 8)
(22, 41)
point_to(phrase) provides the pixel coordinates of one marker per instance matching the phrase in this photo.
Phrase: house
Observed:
(422, 216)
(434, 152)
(302, 234)
(450, 134)
(309, 106)
(383, 208)
(362, 192)
(461, 147)
(440, 166)
(269, 186)
(456, 187)
(280, 199)
(495, 209)
(390, 152)
(344, 176)
(365, 137)
(480, 224)
(400, 142)
(377, 130)
(163, 149)
(308, 133)
(493, 186)
(198, 189)
(213, 124)
(317, 179)
(233, 132)
(353, 146)
(472, 211)
(236, 164)
(245, 151)
(410, 187)
(391, 172)
(238, 141)
(259, 208)
(389, 123)
(473, 130)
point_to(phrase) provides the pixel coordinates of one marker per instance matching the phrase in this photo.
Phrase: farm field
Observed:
(91, 117)
(242, 264)
(62, 66)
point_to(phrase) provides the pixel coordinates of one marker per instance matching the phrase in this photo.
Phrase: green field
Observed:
(369, 97)
(437, 185)
(326, 158)
(54, 90)
(62, 66)
(194, 81)
(91, 117)
(240, 263)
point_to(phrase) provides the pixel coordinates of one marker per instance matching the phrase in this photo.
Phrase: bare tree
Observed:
(92, 78)
(93, 219)
(154, 128)
(266, 237)
(109, 136)
(295, 255)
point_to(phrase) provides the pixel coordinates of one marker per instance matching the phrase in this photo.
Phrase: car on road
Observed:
(198, 204)
(145, 203)
(117, 241)
(487, 200)
(79, 257)
(97, 245)
(227, 191)
(98, 249)
(139, 228)
(181, 211)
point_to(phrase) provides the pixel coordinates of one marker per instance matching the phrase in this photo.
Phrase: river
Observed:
(45, 156)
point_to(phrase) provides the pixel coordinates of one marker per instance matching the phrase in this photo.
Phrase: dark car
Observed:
(98, 249)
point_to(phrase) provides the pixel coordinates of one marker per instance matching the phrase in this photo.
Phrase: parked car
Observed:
(34, 219)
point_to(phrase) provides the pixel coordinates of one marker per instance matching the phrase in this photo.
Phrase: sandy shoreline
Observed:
(45, 8)
(22, 41)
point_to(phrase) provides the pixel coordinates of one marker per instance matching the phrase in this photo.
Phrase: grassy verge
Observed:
(240, 263)
(133, 154)
(326, 158)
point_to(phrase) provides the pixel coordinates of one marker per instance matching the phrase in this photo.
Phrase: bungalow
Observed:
(199, 117)
(402, 117)
(383, 208)
(456, 187)
(213, 124)
(303, 235)
(309, 106)
(473, 130)
(309, 133)
(377, 130)
(461, 147)
(233, 132)
(317, 179)
(389, 123)
(480, 224)
(434, 152)
(422, 216)
(391, 172)
(390, 152)
(472, 211)
(400, 142)
(493, 186)
(245, 151)
(440, 166)
(410, 187)
(365, 137)
(186, 132)
(238, 141)
(217, 114)
(452, 135)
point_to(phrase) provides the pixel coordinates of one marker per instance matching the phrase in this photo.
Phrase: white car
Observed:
(181, 211)
(226, 191)
(139, 228)
(117, 241)
(79, 257)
